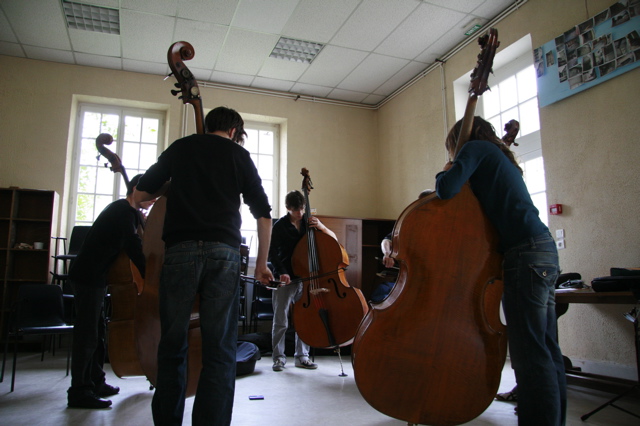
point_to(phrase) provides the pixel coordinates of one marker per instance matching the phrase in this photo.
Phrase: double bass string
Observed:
(314, 266)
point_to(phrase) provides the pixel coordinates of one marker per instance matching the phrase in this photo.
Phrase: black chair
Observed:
(38, 310)
(60, 277)
(261, 306)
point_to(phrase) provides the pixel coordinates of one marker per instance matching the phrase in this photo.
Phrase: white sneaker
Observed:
(278, 365)
(304, 362)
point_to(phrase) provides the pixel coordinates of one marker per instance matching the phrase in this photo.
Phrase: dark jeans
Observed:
(212, 271)
(530, 272)
(88, 351)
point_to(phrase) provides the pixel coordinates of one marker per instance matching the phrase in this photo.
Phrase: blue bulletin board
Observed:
(596, 50)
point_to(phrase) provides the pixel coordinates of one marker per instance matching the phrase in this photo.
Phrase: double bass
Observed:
(135, 321)
(330, 310)
(147, 316)
(123, 356)
(433, 351)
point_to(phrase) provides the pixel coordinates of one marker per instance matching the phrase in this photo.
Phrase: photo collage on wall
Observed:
(601, 46)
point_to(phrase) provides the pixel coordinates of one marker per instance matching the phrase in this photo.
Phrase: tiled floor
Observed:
(291, 397)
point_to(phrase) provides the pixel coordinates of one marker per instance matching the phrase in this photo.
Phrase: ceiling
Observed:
(371, 49)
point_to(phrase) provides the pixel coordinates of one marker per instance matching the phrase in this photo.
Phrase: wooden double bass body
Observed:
(330, 310)
(134, 328)
(433, 351)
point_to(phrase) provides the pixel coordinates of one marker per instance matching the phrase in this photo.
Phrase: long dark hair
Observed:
(481, 130)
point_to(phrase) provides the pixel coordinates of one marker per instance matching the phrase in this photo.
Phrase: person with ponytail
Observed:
(530, 267)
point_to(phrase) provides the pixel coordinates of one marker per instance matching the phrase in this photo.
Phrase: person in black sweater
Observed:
(114, 230)
(210, 175)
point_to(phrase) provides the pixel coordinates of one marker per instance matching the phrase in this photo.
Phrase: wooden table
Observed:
(563, 299)
(614, 385)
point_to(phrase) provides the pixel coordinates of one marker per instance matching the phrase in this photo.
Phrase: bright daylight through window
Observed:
(515, 98)
(136, 135)
(262, 143)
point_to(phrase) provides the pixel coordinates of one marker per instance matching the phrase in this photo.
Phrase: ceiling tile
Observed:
(398, 79)
(318, 21)
(311, 90)
(44, 26)
(332, 65)
(11, 49)
(145, 37)
(282, 69)
(444, 44)
(267, 16)
(465, 6)
(373, 99)
(372, 47)
(413, 36)
(160, 7)
(347, 95)
(372, 22)
(206, 38)
(46, 54)
(146, 67)
(199, 73)
(272, 84)
(231, 78)
(94, 42)
(99, 61)
(489, 9)
(372, 72)
(244, 51)
(218, 12)
(6, 33)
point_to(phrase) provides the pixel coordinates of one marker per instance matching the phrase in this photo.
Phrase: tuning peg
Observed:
(168, 75)
(175, 92)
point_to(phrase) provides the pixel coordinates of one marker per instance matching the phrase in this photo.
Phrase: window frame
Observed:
(274, 199)
(512, 60)
(118, 182)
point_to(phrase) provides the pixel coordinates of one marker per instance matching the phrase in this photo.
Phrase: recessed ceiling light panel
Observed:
(91, 18)
(296, 50)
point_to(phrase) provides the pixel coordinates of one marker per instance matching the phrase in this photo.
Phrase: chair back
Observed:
(39, 305)
(78, 234)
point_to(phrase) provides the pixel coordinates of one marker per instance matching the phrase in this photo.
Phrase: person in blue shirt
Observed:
(530, 267)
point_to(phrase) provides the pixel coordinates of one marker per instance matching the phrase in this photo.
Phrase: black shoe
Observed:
(106, 390)
(87, 400)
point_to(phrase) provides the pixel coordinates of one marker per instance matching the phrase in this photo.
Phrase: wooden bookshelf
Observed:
(27, 216)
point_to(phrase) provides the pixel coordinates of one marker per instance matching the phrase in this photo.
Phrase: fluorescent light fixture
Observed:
(296, 50)
(92, 18)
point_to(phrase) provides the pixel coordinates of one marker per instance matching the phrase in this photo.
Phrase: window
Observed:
(515, 98)
(262, 143)
(513, 95)
(135, 133)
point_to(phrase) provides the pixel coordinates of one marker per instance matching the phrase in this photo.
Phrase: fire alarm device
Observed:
(555, 209)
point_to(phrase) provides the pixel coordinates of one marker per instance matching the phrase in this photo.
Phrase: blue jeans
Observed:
(212, 271)
(530, 272)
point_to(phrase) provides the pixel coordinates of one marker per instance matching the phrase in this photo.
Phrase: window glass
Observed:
(262, 143)
(529, 117)
(508, 93)
(95, 185)
(514, 97)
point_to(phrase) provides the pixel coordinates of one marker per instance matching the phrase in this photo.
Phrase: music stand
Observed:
(633, 316)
